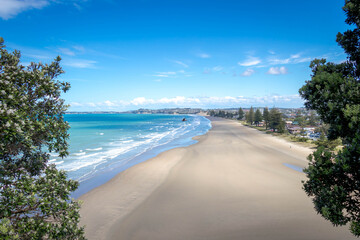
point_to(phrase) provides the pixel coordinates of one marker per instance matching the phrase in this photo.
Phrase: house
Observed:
(294, 129)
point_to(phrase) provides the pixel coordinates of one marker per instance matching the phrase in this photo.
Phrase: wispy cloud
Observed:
(217, 68)
(181, 63)
(161, 75)
(203, 55)
(66, 51)
(204, 102)
(277, 70)
(171, 74)
(167, 73)
(248, 72)
(11, 8)
(213, 69)
(250, 61)
(79, 48)
(80, 63)
(293, 59)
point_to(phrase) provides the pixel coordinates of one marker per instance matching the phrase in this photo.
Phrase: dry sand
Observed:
(233, 184)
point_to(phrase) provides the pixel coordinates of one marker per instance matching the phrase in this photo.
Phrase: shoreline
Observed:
(105, 175)
(231, 184)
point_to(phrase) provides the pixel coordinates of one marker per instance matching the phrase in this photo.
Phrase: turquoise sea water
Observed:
(101, 145)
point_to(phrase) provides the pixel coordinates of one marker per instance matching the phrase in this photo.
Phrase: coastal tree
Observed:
(241, 114)
(257, 117)
(300, 119)
(276, 123)
(34, 196)
(247, 117)
(334, 92)
(250, 118)
(266, 117)
(312, 121)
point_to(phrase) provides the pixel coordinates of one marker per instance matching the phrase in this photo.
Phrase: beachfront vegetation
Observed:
(34, 195)
(266, 117)
(334, 92)
(258, 117)
(276, 123)
(250, 116)
(241, 114)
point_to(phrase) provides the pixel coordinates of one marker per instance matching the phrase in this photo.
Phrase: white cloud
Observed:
(214, 69)
(11, 8)
(301, 60)
(79, 48)
(109, 103)
(66, 51)
(181, 63)
(294, 56)
(161, 75)
(141, 101)
(203, 55)
(80, 63)
(250, 61)
(167, 73)
(217, 68)
(293, 59)
(276, 61)
(272, 52)
(248, 72)
(277, 70)
(202, 102)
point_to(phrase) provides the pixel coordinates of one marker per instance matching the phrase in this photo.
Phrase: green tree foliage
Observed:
(241, 114)
(266, 117)
(276, 123)
(312, 121)
(247, 117)
(257, 117)
(334, 92)
(34, 195)
(250, 116)
(300, 119)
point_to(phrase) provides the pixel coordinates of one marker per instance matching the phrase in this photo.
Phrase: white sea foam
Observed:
(58, 163)
(117, 152)
(85, 160)
(80, 153)
(94, 149)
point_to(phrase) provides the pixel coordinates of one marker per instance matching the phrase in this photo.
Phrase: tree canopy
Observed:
(34, 196)
(334, 92)
(241, 114)
(257, 117)
(250, 116)
(276, 123)
(266, 117)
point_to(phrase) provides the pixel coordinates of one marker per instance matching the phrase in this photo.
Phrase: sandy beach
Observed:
(233, 184)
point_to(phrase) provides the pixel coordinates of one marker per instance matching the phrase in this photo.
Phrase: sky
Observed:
(131, 54)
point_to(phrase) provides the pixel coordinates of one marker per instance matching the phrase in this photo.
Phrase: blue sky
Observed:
(130, 54)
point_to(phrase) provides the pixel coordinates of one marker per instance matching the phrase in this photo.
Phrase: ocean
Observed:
(102, 145)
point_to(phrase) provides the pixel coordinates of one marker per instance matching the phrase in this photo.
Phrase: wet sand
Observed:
(233, 184)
